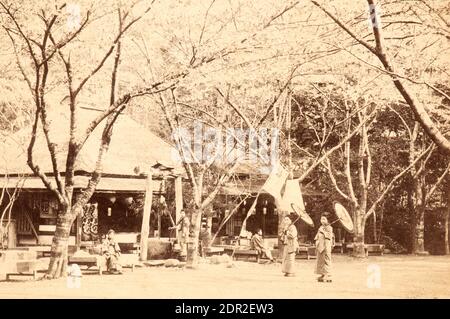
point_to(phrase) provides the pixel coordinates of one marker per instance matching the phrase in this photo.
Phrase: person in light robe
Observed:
(183, 226)
(289, 240)
(324, 244)
(111, 251)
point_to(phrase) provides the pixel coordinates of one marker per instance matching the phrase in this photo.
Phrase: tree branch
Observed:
(333, 180)
(334, 148)
(111, 49)
(418, 109)
(438, 182)
(393, 181)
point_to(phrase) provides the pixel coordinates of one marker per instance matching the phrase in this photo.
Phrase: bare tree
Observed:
(206, 172)
(379, 51)
(43, 53)
(421, 190)
(357, 172)
(48, 48)
(447, 217)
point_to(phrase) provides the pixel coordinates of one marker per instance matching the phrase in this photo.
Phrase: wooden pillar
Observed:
(178, 201)
(78, 224)
(281, 215)
(146, 216)
(78, 232)
(264, 214)
(159, 224)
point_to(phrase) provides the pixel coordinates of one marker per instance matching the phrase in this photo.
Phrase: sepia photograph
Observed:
(224, 149)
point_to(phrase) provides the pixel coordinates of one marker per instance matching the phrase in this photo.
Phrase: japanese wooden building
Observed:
(134, 152)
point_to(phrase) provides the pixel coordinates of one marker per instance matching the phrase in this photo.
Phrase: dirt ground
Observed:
(399, 277)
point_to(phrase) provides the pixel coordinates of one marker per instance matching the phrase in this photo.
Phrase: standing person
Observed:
(205, 240)
(324, 244)
(111, 251)
(183, 226)
(257, 243)
(289, 241)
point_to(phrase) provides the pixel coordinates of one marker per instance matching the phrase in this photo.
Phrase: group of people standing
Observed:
(324, 241)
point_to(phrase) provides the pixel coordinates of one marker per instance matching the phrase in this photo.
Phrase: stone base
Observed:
(158, 248)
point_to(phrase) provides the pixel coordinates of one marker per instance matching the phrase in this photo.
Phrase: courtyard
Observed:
(399, 276)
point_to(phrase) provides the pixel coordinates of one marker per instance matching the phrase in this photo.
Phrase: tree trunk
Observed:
(159, 223)
(192, 253)
(59, 250)
(380, 231)
(358, 242)
(418, 244)
(412, 209)
(419, 216)
(375, 236)
(447, 215)
(447, 247)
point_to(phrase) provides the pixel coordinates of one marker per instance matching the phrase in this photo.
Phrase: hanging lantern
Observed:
(127, 200)
(112, 199)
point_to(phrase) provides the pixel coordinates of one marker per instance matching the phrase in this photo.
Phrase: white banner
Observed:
(276, 181)
(292, 195)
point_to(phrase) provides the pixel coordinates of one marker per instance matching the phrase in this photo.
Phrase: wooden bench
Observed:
(339, 248)
(349, 249)
(130, 249)
(25, 268)
(247, 253)
(374, 249)
(244, 252)
(33, 273)
(309, 251)
(89, 261)
(210, 251)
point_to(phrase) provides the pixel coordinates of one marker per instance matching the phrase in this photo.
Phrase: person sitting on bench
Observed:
(111, 251)
(257, 243)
